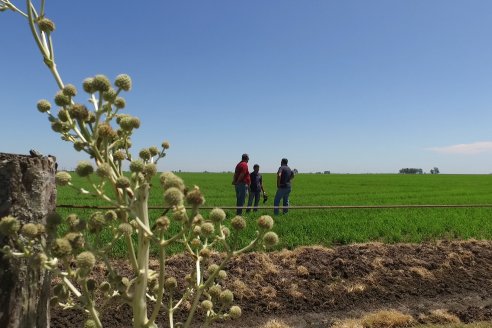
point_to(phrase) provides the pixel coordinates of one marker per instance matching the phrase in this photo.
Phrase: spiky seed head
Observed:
(61, 247)
(173, 197)
(76, 239)
(162, 223)
(153, 150)
(169, 180)
(79, 145)
(123, 81)
(195, 197)
(122, 182)
(205, 253)
(198, 219)
(43, 105)
(88, 86)
(9, 225)
(74, 223)
(226, 231)
(217, 215)
(166, 145)
(104, 170)
(79, 112)
(119, 155)
(101, 83)
(96, 222)
(270, 239)
(46, 25)
(120, 103)
(170, 283)
(89, 323)
(29, 230)
(207, 305)
(145, 154)
(215, 291)
(238, 223)
(86, 260)
(84, 169)
(235, 312)
(110, 215)
(197, 230)
(109, 95)
(195, 243)
(136, 166)
(63, 115)
(222, 274)
(62, 178)
(179, 213)
(207, 229)
(70, 90)
(125, 229)
(265, 222)
(149, 170)
(135, 122)
(106, 131)
(212, 268)
(226, 297)
(61, 99)
(126, 123)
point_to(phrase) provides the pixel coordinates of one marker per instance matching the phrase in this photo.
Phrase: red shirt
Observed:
(242, 167)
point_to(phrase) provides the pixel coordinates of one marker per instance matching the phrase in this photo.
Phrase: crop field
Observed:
(344, 226)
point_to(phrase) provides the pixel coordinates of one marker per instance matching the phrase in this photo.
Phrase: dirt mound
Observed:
(316, 286)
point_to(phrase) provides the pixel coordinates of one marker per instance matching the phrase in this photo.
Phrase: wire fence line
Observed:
(300, 207)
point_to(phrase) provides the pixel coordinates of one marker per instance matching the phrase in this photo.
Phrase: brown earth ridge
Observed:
(316, 286)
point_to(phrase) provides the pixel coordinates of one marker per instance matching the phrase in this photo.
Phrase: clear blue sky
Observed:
(346, 86)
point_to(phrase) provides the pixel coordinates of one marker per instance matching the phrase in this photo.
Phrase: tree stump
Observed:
(27, 192)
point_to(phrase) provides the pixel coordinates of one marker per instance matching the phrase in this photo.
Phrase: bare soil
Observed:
(316, 286)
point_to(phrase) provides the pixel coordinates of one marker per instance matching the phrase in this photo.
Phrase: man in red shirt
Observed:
(241, 181)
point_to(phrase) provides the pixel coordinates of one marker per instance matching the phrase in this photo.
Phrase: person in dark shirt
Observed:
(256, 188)
(284, 176)
(241, 181)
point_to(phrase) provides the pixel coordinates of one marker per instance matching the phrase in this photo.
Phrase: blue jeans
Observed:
(256, 196)
(282, 193)
(241, 191)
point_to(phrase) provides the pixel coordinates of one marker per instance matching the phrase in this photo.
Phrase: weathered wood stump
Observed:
(27, 192)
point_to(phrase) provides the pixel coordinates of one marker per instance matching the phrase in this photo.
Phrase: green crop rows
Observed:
(343, 226)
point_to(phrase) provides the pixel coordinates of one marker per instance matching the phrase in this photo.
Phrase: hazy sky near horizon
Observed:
(349, 86)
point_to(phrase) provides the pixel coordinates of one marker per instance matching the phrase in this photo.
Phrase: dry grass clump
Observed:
(348, 323)
(274, 323)
(439, 317)
(387, 319)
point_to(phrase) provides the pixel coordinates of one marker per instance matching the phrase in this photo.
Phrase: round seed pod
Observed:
(212, 268)
(96, 222)
(120, 103)
(145, 154)
(215, 291)
(226, 297)
(217, 215)
(89, 323)
(122, 182)
(62, 247)
(149, 170)
(62, 178)
(207, 229)
(110, 215)
(238, 223)
(207, 305)
(76, 240)
(84, 169)
(101, 83)
(154, 150)
(136, 166)
(70, 90)
(222, 274)
(9, 225)
(123, 81)
(86, 260)
(119, 155)
(270, 239)
(170, 283)
(125, 228)
(61, 99)
(43, 105)
(88, 86)
(173, 197)
(166, 145)
(109, 95)
(162, 223)
(29, 230)
(46, 25)
(170, 180)
(235, 312)
(104, 170)
(265, 222)
(79, 112)
(195, 197)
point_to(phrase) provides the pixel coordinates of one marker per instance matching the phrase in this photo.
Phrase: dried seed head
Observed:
(101, 83)
(173, 196)
(119, 155)
(217, 215)
(87, 85)
(122, 182)
(215, 291)
(76, 239)
(179, 213)
(70, 90)
(226, 297)
(197, 230)
(165, 145)
(195, 197)
(207, 305)
(96, 222)
(212, 268)
(265, 222)
(198, 219)
(145, 154)
(207, 229)
(235, 312)
(226, 231)
(125, 229)
(43, 105)
(106, 131)
(84, 169)
(238, 223)
(86, 260)
(46, 25)
(110, 215)
(169, 180)
(109, 95)
(136, 166)
(104, 170)
(63, 115)
(61, 99)
(29, 230)
(120, 103)
(222, 274)
(153, 150)
(123, 81)
(270, 239)
(62, 178)
(62, 247)
(149, 170)
(162, 223)
(170, 283)
(195, 243)
(205, 253)
(89, 323)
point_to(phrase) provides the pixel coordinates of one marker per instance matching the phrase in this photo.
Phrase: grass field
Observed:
(344, 226)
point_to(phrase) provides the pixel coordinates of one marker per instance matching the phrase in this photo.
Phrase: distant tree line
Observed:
(411, 171)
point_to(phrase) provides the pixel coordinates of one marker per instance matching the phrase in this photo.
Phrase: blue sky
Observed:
(347, 86)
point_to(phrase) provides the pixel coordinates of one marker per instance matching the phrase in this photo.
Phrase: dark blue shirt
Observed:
(256, 181)
(285, 177)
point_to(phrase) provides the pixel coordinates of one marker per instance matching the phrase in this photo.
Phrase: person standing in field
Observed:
(284, 176)
(256, 188)
(241, 181)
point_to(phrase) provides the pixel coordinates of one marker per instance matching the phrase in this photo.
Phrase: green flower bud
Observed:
(29, 230)
(86, 260)
(88, 86)
(153, 150)
(162, 223)
(119, 155)
(136, 166)
(104, 170)
(89, 323)
(123, 81)
(212, 268)
(46, 25)
(265, 222)
(170, 180)
(195, 197)
(101, 83)
(215, 291)
(76, 239)
(166, 145)
(62, 247)
(109, 95)
(222, 274)
(170, 283)
(96, 222)
(150, 170)
(226, 297)
(70, 90)
(238, 223)
(122, 182)
(125, 229)
(207, 305)
(61, 99)
(62, 178)
(144, 154)
(270, 239)
(43, 105)
(207, 229)
(120, 103)
(235, 312)
(217, 215)
(173, 197)
(84, 169)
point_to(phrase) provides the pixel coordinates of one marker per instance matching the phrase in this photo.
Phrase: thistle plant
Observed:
(100, 129)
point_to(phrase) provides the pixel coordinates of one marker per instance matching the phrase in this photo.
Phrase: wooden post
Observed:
(27, 192)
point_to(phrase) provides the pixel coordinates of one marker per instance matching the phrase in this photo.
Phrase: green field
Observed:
(343, 226)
